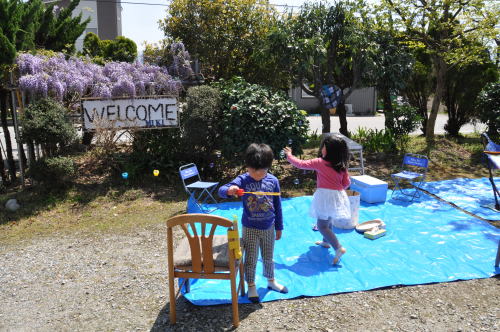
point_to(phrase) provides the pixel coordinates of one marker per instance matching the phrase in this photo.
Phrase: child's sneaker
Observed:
(323, 244)
(273, 285)
(253, 296)
(338, 253)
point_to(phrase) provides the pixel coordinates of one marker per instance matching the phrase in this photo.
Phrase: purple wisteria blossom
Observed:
(181, 65)
(65, 79)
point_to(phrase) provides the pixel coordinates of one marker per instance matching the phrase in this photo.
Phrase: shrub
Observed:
(201, 119)
(374, 140)
(403, 120)
(253, 113)
(44, 122)
(57, 170)
(119, 49)
(160, 149)
(488, 104)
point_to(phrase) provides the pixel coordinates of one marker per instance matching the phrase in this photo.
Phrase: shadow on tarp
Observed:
(427, 241)
(472, 195)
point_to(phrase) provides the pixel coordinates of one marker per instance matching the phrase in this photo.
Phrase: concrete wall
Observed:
(364, 100)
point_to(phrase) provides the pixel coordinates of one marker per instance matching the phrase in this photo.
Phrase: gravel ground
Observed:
(113, 282)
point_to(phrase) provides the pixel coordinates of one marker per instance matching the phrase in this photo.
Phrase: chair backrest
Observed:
(488, 144)
(200, 238)
(189, 174)
(415, 162)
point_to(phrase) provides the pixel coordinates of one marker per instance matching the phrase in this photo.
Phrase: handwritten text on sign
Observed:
(149, 112)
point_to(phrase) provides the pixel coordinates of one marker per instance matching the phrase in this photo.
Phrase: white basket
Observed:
(354, 201)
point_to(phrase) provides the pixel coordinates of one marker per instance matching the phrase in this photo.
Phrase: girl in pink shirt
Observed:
(330, 201)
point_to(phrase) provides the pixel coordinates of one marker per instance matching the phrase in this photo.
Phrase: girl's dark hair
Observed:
(337, 152)
(259, 156)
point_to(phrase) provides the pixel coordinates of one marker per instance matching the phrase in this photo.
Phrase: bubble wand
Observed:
(240, 193)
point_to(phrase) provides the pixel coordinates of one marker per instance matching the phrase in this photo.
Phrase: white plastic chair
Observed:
(199, 190)
(413, 171)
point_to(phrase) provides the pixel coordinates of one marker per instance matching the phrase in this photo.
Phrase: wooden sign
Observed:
(140, 112)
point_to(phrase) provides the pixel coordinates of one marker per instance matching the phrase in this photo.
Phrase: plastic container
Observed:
(351, 222)
(372, 190)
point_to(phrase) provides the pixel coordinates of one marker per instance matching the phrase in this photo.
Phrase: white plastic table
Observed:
(355, 149)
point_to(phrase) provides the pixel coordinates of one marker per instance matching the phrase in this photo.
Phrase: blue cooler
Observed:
(372, 190)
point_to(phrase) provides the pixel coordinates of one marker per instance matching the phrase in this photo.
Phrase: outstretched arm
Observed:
(230, 188)
(311, 164)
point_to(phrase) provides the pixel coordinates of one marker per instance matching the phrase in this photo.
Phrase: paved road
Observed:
(377, 122)
(353, 123)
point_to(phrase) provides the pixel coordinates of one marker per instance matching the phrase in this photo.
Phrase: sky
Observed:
(140, 21)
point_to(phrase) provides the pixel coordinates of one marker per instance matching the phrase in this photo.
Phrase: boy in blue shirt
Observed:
(262, 215)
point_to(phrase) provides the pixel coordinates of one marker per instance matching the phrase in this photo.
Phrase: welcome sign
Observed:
(143, 112)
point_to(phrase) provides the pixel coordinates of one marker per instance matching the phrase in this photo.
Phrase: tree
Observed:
(443, 27)
(57, 29)
(463, 85)
(324, 45)
(25, 25)
(120, 49)
(488, 106)
(392, 61)
(420, 84)
(222, 34)
(17, 28)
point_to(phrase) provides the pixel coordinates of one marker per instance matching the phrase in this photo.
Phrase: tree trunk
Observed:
(386, 97)
(21, 154)
(342, 118)
(5, 127)
(325, 119)
(436, 102)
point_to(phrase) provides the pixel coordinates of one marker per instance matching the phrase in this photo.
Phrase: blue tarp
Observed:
(426, 242)
(472, 195)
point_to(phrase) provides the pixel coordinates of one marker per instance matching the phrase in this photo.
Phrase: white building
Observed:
(105, 17)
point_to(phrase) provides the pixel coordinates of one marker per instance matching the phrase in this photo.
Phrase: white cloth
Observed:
(329, 203)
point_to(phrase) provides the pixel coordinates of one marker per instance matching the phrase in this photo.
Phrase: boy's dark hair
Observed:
(337, 152)
(259, 156)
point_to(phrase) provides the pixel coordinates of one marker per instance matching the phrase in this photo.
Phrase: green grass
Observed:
(63, 212)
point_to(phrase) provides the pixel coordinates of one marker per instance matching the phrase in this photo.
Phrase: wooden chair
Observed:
(204, 256)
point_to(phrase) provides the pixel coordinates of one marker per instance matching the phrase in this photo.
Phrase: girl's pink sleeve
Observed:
(346, 180)
(311, 164)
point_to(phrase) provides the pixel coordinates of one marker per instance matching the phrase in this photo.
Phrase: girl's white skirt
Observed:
(329, 203)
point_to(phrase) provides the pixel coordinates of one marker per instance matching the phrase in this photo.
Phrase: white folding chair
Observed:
(413, 171)
(200, 191)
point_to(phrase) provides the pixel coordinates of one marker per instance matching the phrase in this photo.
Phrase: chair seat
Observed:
(182, 254)
(407, 175)
(201, 185)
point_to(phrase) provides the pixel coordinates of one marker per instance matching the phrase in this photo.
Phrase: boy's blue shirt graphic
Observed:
(259, 211)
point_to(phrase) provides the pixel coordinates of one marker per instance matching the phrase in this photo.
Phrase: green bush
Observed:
(253, 113)
(160, 149)
(488, 107)
(403, 120)
(118, 49)
(194, 141)
(57, 170)
(44, 122)
(200, 119)
(374, 140)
